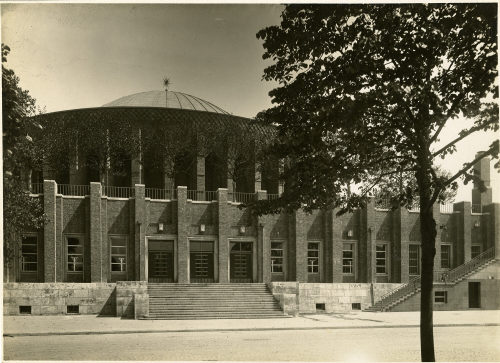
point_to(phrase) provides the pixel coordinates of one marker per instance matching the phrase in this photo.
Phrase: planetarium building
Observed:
(162, 231)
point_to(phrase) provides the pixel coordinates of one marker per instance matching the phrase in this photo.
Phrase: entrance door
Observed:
(201, 261)
(160, 261)
(474, 294)
(240, 263)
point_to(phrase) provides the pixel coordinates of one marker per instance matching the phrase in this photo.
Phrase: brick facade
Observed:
(96, 217)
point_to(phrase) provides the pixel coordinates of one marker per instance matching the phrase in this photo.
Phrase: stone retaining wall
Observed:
(53, 298)
(125, 291)
(333, 297)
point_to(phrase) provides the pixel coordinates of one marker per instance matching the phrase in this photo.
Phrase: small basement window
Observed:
(441, 297)
(73, 309)
(25, 309)
(320, 307)
(356, 306)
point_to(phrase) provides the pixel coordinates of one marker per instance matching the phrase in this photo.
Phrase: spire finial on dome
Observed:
(166, 84)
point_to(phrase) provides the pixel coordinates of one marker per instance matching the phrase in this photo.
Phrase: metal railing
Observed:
(383, 204)
(457, 273)
(118, 192)
(446, 208)
(201, 195)
(415, 207)
(476, 208)
(163, 194)
(74, 190)
(273, 196)
(451, 277)
(36, 188)
(238, 197)
(396, 294)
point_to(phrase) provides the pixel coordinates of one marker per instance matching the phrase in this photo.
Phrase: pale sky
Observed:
(85, 55)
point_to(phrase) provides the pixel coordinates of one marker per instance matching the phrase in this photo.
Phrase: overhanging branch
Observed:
(492, 151)
(462, 136)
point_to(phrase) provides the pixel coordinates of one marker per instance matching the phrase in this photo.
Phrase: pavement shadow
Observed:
(317, 317)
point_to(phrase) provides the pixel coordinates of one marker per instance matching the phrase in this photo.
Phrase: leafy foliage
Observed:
(20, 211)
(366, 90)
(364, 93)
(234, 146)
(392, 186)
(105, 144)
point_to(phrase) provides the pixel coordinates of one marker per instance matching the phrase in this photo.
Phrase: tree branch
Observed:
(467, 166)
(379, 178)
(464, 135)
(452, 108)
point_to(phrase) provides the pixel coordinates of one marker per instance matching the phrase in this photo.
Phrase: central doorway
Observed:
(201, 261)
(240, 262)
(160, 261)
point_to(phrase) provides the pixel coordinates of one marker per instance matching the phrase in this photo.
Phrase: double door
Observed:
(201, 261)
(161, 261)
(241, 262)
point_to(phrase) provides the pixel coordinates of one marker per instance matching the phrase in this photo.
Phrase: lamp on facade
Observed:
(160, 227)
(242, 229)
(350, 233)
(202, 228)
(476, 224)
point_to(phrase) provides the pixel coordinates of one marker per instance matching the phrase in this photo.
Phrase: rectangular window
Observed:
(29, 254)
(414, 260)
(277, 257)
(118, 254)
(313, 257)
(75, 254)
(475, 250)
(441, 297)
(381, 259)
(445, 256)
(73, 309)
(25, 309)
(348, 258)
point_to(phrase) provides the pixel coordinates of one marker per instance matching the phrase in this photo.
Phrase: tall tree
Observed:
(365, 92)
(21, 212)
(389, 188)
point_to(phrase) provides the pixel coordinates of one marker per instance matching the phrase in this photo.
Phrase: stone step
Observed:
(211, 296)
(212, 303)
(208, 301)
(213, 311)
(208, 317)
(208, 287)
(211, 290)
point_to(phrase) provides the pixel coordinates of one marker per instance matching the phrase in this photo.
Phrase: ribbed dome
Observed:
(173, 100)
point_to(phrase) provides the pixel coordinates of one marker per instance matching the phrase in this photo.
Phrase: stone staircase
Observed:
(212, 301)
(449, 278)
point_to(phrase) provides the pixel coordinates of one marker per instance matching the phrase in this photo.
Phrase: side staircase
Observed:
(212, 301)
(450, 278)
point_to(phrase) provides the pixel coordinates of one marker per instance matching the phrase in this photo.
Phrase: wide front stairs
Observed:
(448, 278)
(212, 301)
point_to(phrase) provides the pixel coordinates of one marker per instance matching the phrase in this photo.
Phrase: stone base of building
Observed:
(296, 297)
(129, 299)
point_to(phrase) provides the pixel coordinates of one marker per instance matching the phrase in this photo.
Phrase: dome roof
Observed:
(172, 100)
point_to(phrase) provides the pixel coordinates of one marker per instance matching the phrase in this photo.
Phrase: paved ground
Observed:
(361, 336)
(91, 324)
(456, 343)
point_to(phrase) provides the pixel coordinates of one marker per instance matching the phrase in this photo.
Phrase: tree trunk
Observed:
(428, 238)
